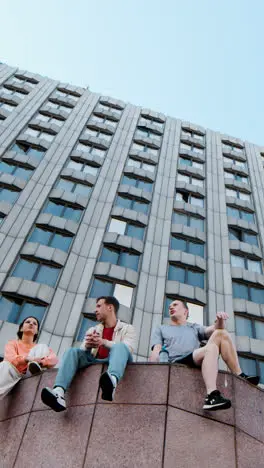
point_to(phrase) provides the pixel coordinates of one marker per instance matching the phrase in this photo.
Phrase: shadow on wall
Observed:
(156, 420)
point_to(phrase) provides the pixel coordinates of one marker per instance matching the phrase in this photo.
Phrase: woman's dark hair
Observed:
(20, 333)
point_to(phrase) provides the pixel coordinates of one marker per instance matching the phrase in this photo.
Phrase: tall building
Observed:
(99, 197)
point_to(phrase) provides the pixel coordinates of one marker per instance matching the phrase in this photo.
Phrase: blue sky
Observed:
(198, 60)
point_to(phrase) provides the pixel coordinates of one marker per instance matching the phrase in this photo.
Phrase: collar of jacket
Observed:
(118, 326)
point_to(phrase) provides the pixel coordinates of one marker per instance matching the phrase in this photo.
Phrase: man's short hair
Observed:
(186, 306)
(111, 300)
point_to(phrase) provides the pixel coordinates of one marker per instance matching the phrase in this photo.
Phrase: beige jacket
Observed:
(123, 333)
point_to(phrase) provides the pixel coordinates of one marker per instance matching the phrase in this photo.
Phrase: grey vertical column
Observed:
(23, 214)
(65, 310)
(152, 279)
(218, 258)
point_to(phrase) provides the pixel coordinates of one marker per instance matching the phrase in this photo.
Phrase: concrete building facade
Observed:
(100, 197)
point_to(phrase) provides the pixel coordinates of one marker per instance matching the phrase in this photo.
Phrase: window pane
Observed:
(148, 167)
(36, 153)
(61, 242)
(167, 303)
(47, 275)
(261, 368)
(133, 163)
(75, 165)
(196, 314)
(46, 136)
(82, 147)
(32, 132)
(176, 273)
(8, 309)
(141, 207)
(65, 185)
(25, 269)
(197, 201)
(145, 185)
(98, 152)
(129, 181)
(257, 295)
(179, 218)
(135, 231)
(129, 260)
(8, 195)
(248, 366)
(185, 147)
(85, 325)
(231, 193)
(195, 278)
(22, 173)
(232, 212)
(72, 213)
(229, 175)
(109, 255)
(240, 291)
(124, 202)
(185, 162)
(259, 327)
(237, 261)
(101, 288)
(244, 196)
(198, 165)
(197, 223)
(7, 168)
(90, 170)
(197, 182)
(32, 310)
(183, 178)
(177, 243)
(233, 234)
(196, 249)
(123, 294)
(197, 150)
(250, 239)
(83, 190)
(179, 196)
(41, 236)
(243, 326)
(254, 266)
(117, 226)
(249, 217)
(54, 209)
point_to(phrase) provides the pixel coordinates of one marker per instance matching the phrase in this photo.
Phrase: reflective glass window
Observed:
(243, 326)
(240, 291)
(101, 288)
(259, 327)
(25, 269)
(47, 275)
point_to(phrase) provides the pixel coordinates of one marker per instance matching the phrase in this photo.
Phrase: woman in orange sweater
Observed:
(24, 355)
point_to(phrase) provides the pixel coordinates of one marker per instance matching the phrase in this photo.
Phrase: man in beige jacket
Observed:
(111, 341)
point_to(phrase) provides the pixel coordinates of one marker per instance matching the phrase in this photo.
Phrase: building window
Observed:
(186, 275)
(89, 132)
(60, 107)
(126, 228)
(122, 292)
(134, 182)
(240, 214)
(248, 292)
(51, 120)
(25, 148)
(192, 134)
(188, 198)
(21, 94)
(63, 211)
(237, 194)
(16, 310)
(242, 236)
(51, 239)
(90, 149)
(35, 271)
(238, 261)
(190, 180)
(228, 148)
(250, 327)
(66, 94)
(188, 220)
(73, 187)
(187, 245)
(194, 149)
(104, 120)
(131, 204)
(8, 107)
(24, 79)
(190, 162)
(237, 163)
(196, 312)
(82, 167)
(118, 257)
(140, 165)
(147, 121)
(39, 134)
(144, 133)
(234, 176)
(144, 149)
(8, 195)
(252, 367)
(17, 171)
(108, 108)
(86, 323)
(2, 217)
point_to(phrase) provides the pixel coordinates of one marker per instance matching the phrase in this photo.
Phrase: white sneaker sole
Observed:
(219, 406)
(49, 399)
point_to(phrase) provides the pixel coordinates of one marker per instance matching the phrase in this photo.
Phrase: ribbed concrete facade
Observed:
(102, 197)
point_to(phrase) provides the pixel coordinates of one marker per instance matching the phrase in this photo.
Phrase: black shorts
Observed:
(187, 360)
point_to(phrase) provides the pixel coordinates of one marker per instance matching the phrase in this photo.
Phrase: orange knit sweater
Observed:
(16, 351)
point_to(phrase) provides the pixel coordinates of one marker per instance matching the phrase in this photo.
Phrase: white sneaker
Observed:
(34, 368)
(108, 383)
(53, 399)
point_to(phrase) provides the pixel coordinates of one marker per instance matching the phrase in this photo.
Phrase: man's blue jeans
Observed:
(76, 358)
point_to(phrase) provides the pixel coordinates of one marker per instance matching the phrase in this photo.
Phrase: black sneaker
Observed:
(108, 384)
(253, 379)
(53, 399)
(215, 401)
